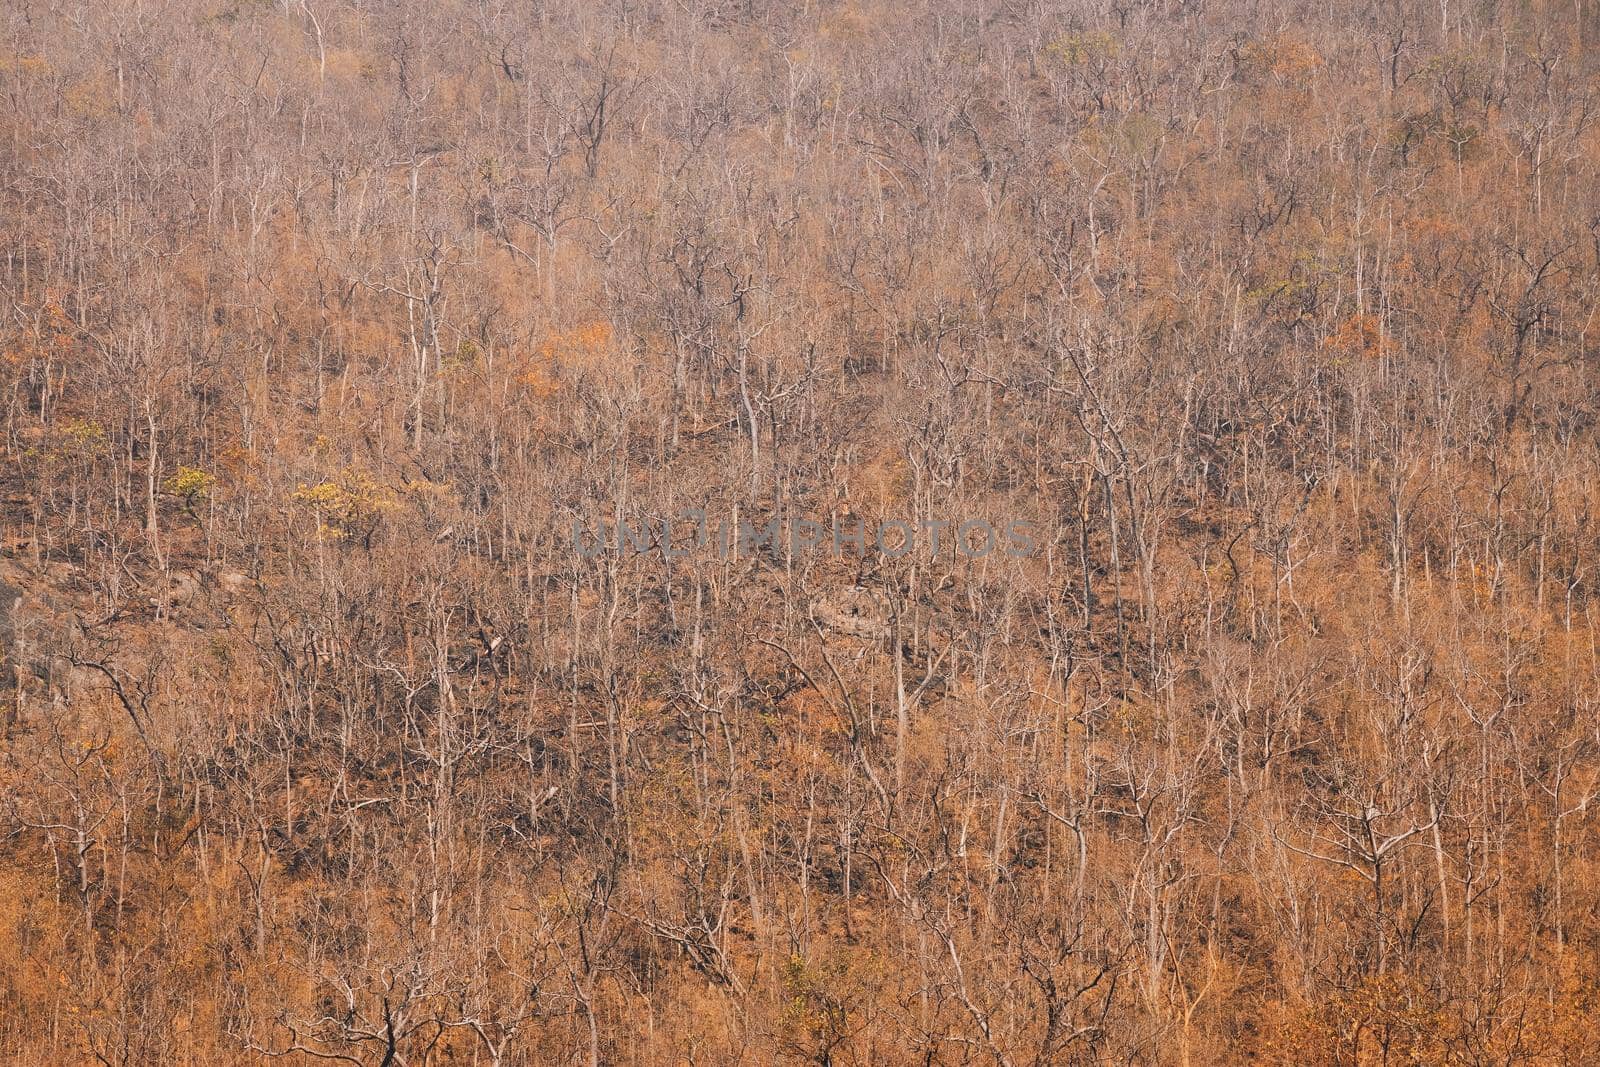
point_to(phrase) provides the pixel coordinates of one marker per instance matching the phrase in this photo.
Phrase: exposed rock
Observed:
(183, 590)
(232, 583)
(856, 610)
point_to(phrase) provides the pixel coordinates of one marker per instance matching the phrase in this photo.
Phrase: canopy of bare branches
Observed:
(428, 428)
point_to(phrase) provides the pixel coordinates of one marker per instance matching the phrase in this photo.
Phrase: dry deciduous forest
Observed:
(326, 326)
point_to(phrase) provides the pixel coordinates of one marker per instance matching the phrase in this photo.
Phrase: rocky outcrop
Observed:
(856, 611)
